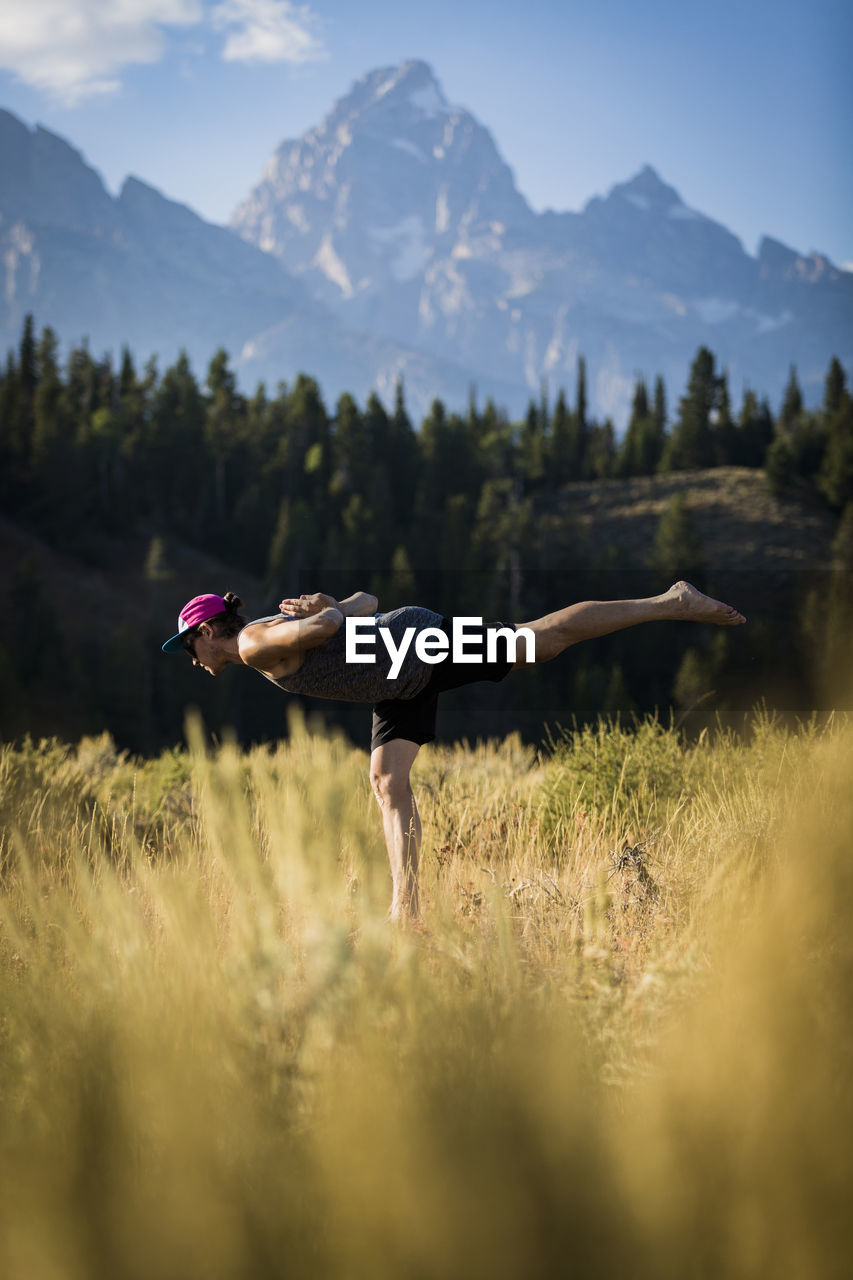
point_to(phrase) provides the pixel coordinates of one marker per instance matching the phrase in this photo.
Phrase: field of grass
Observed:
(620, 1046)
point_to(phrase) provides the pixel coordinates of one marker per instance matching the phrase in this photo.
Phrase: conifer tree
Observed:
(28, 370)
(381, 479)
(640, 450)
(173, 453)
(494, 445)
(724, 427)
(691, 443)
(753, 432)
(792, 403)
(220, 426)
(581, 425)
(562, 452)
(356, 557)
(47, 406)
(81, 389)
(449, 461)
(9, 493)
(453, 553)
(600, 451)
(127, 373)
(835, 480)
(351, 453)
(780, 464)
(834, 387)
(532, 447)
(22, 379)
(659, 410)
(800, 440)
(308, 447)
(401, 462)
(640, 406)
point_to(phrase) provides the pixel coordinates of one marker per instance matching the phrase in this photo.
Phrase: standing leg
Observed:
(592, 618)
(389, 777)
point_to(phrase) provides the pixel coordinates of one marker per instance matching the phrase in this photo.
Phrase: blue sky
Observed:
(746, 108)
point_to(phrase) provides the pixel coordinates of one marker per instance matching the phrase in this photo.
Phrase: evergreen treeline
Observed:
(460, 514)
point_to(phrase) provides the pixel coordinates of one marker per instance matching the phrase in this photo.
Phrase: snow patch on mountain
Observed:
(391, 83)
(723, 310)
(332, 267)
(767, 324)
(295, 214)
(442, 211)
(403, 144)
(715, 310)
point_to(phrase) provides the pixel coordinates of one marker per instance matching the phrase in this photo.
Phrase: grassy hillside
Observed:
(621, 1045)
(740, 524)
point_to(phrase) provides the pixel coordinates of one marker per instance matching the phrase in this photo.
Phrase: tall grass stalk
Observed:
(620, 1045)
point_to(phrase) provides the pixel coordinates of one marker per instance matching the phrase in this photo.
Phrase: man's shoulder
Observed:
(259, 646)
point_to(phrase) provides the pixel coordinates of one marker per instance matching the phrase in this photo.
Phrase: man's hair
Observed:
(231, 622)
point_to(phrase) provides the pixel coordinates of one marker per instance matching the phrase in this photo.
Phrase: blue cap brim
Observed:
(176, 644)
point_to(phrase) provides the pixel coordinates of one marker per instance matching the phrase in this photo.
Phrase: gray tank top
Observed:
(326, 674)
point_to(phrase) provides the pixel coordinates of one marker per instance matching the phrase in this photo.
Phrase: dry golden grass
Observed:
(620, 1046)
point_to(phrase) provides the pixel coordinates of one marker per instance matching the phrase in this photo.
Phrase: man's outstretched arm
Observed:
(360, 605)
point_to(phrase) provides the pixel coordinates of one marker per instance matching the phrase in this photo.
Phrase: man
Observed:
(309, 649)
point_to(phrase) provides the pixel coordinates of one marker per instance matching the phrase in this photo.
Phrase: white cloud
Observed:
(267, 31)
(74, 48)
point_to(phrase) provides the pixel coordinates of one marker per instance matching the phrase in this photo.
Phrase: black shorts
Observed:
(414, 718)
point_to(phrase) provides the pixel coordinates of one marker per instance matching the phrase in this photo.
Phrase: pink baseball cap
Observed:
(199, 609)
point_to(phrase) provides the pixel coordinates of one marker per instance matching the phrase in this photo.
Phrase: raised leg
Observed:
(593, 618)
(390, 765)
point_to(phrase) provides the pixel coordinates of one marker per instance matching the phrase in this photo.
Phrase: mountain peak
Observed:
(647, 190)
(414, 82)
(46, 180)
(138, 199)
(406, 94)
(392, 176)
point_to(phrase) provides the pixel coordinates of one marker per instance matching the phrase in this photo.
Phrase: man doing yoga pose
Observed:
(305, 649)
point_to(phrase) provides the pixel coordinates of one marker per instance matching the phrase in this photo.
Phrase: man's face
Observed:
(202, 648)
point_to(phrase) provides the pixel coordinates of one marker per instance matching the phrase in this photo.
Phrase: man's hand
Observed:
(359, 605)
(307, 606)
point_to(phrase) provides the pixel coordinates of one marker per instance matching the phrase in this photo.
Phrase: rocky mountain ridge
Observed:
(400, 214)
(391, 241)
(144, 271)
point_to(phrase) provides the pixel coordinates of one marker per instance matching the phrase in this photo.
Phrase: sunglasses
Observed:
(187, 643)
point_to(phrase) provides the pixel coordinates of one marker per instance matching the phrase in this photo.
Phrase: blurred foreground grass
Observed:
(621, 1045)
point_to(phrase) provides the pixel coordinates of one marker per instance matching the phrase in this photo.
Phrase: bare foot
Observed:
(692, 606)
